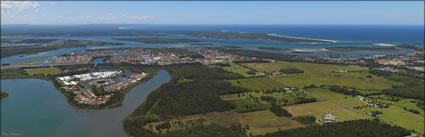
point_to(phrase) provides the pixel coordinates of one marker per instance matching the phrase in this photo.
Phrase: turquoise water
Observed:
(34, 108)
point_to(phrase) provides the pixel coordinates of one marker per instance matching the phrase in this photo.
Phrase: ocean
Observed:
(396, 34)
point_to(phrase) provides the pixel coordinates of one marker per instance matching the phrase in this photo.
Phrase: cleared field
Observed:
(316, 108)
(259, 122)
(225, 119)
(400, 117)
(46, 71)
(239, 69)
(309, 67)
(402, 103)
(346, 100)
(262, 122)
(258, 83)
(345, 115)
(394, 114)
(324, 74)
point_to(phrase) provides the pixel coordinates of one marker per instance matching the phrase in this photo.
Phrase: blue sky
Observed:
(212, 12)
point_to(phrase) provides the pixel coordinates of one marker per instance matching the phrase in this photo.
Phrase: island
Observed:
(47, 45)
(158, 40)
(3, 94)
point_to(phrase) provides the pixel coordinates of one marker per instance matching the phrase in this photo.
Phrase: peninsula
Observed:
(48, 45)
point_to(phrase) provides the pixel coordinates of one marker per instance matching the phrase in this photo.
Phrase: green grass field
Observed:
(346, 115)
(257, 83)
(324, 74)
(317, 109)
(307, 67)
(346, 100)
(395, 114)
(368, 92)
(235, 68)
(47, 71)
(400, 117)
(259, 122)
(246, 105)
(262, 122)
(26, 64)
(403, 103)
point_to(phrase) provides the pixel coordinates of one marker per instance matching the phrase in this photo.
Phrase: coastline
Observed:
(292, 37)
(384, 49)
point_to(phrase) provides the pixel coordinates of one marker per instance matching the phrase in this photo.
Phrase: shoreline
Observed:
(283, 36)
(347, 49)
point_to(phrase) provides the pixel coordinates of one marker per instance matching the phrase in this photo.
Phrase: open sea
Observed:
(395, 34)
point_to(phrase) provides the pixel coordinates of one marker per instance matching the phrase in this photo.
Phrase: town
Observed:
(86, 86)
(213, 55)
(150, 56)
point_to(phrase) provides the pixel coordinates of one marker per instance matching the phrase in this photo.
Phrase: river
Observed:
(35, 108)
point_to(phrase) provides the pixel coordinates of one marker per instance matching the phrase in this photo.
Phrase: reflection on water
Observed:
(36, 108)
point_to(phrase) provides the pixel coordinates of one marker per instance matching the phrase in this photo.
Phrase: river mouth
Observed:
(36, 108)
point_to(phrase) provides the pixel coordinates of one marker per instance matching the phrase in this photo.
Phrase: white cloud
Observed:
(11, 8)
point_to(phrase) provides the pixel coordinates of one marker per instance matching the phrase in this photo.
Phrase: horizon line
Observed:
(202, 24)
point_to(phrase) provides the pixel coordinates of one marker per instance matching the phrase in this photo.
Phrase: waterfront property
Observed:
(96, 88)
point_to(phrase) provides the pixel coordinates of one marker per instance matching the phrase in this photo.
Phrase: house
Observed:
(329, 118)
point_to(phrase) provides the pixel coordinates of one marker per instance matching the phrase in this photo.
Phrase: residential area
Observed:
(96, 88)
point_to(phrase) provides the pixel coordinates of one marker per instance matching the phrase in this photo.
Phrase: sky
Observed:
(212, 12)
